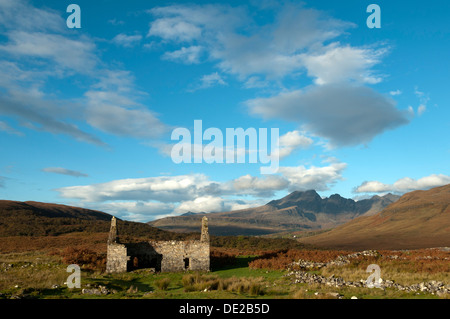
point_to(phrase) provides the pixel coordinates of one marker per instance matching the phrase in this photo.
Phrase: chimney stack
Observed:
(113, 237)
(205, 234)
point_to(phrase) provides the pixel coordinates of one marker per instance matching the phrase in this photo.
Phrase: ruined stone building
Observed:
(163, 256)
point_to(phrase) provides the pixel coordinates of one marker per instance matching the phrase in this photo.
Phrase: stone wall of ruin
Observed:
(117, 258)
(164, 256)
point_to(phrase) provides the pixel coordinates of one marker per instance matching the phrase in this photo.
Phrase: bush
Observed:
(84, 257)
(255, 289)
(220, 259)
(163, 284)
(197, 282)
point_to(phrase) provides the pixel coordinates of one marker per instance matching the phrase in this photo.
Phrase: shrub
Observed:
(84, 257)
(255, 289)
(163, 284)
(220, 259)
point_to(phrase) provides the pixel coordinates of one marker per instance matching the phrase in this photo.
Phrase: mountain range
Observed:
(419, 219)
(295, 212)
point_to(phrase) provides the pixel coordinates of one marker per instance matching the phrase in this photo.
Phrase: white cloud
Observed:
(138, 211)
(424, 99)
(164, 189)
(373, 187)
(17, 14)
(404, 185)
(421, 109)
(291, 141)
(274, 50)
(8, 129)
(317, 178)
(174, 29)
(64, 171)
(255, 82)
(127, 40)
(264, 187)
(2, 181)
(342, 64)
(43, 114)
(202, 204)
(297, 41)
(210, 80)
(67, 54)
(288, 143)
(343, 114)
(196, 192)
(396, 92)
(112, 105)
(116, 22)
(187, 55)
(33, 56)
(112, 117)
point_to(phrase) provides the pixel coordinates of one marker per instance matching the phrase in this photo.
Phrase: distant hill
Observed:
(419, 219)
(294, 212)
(34, 226)
(43, 219)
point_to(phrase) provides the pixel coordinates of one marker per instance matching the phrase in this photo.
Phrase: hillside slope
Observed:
(44, 219)
(294, 212)
(419, 219)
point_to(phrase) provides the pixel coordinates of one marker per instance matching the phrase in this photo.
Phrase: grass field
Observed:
(42, 275)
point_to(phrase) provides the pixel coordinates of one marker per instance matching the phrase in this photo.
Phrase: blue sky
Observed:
(86, 114)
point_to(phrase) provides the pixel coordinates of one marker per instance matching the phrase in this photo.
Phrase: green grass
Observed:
(34, 274)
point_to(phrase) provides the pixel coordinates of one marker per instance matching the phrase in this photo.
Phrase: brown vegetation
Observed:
(84, 257)
(280, 260)
(419, 219)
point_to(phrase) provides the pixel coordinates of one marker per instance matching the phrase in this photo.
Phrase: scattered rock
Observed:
(300, 276)
(101, 290)
(339, 261)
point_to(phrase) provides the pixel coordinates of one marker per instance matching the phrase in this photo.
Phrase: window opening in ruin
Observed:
(186, 263)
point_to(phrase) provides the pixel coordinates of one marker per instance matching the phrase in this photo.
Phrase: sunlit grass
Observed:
(38, 275)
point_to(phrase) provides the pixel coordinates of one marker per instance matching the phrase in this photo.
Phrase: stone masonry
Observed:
(162, 256)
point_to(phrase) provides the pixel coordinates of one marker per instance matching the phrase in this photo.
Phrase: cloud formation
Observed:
(337, 64)
(2, 181)
(337, 107)
(230, 37)
(343, 114)
(5, 127)
(146, 198)
(39, 49)
(64, 171)
(127, 41)
(404, 185)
